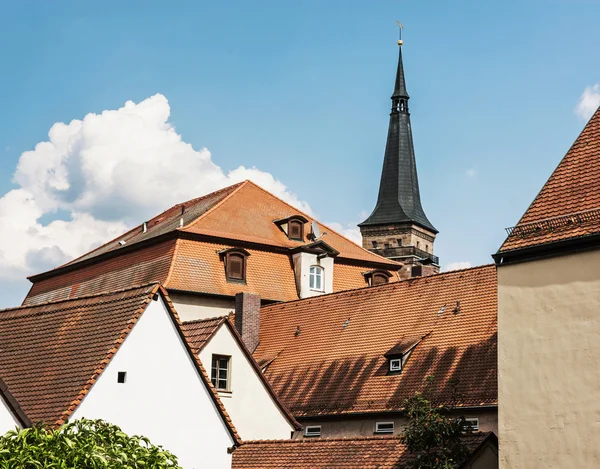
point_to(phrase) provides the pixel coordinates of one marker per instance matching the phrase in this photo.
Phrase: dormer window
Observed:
(235, 261)
(396, 365)
(377, 277)
(316, 278)
(292, 226)
(296, 230)
(399, 353)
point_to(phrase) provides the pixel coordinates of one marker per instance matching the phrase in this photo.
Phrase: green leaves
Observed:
(83, 444)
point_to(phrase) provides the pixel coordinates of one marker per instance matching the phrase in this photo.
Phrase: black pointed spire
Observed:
(399, 200)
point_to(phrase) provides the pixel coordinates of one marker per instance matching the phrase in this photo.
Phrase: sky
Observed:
(112, 111)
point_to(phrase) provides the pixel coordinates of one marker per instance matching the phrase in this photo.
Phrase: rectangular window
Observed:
(384, 427)
(121, 377)
(473, 424)
(316, 278)
(219, 372)
(396, 364)
(374, 244)
(312, 430)
(399, 241)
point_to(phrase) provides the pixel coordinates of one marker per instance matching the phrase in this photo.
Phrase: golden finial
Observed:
(401, 27)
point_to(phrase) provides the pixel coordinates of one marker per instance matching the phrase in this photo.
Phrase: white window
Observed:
(312, 430)
(219, 372)
(396, 364)
(316, 278)
(473, 424)
(384, 427)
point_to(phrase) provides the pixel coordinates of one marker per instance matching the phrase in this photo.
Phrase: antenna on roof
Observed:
(315, 231)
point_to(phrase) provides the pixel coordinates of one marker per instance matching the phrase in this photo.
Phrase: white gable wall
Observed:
(7, 419)
(255, 414)
(163, 397)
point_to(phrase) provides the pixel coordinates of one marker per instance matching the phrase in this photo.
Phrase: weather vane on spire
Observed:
(401, 27)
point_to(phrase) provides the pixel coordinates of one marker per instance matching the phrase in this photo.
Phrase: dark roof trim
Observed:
(318, 247)
(282, 407)
(405, 346)
(13, 405)
(281, 221)
(223, 252)
(370, 273)
(546, 250)
(378, 413)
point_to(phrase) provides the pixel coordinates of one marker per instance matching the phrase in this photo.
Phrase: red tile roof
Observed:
(186, 258)
(329, 350)
(351, 453)
(13, 405)
(51, 354)
(200, 331)
(573, 188)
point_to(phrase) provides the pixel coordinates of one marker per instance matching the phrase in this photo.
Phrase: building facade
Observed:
(548, 323)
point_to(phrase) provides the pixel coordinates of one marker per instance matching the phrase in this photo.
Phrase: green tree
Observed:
(82, 444)
(432, 436)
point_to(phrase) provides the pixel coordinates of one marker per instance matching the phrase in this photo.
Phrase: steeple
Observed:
(398, 209)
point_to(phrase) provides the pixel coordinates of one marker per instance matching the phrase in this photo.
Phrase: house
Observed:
(344, 363)
(548, 322)
(120, 356)
(354, 453)
(248, 397)
(204, 251)
(11, 414)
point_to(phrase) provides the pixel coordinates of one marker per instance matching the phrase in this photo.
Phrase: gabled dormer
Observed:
(234, 262)
(313, 268)
(293, 227)
(399, 354)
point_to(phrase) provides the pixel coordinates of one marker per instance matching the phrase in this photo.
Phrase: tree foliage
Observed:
(433, 437)
(82, 444)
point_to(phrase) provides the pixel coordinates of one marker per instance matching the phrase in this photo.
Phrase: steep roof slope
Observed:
(568, 206)
(51, 354)
(330, 349)
(335, 453)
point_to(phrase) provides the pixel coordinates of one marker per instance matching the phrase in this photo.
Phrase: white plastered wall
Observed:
(255, 414)
(7, 419)
(195, 306)
(302, 263)
(163, 397)
(548, 362)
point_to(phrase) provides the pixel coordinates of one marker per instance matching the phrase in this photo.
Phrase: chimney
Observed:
(247, 318)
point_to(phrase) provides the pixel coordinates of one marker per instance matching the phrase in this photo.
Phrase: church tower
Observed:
(398, 227)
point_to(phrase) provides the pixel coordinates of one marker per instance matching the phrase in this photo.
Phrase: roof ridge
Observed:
(195, 321)
(386, 260)
(324, 440)
(82, 297)
(377, 287)
(218, 204)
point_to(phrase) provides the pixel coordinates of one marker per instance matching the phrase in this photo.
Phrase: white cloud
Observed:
(457, 265)
(103, 174)
(471, 172)
(588, 101)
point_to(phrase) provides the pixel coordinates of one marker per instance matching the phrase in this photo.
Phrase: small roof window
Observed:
(235, 260)
(377, 277)
(292, 226)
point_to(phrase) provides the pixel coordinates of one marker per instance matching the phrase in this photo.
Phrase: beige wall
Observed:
(549, 362)
(194, 306)
(338, 428)
(255, 414)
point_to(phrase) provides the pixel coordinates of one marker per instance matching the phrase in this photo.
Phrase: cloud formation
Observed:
(457, 266)
(93, 178)
(588, 101)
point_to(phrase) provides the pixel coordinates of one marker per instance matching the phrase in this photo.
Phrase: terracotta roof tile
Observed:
(572, 188)
(351, 453)
(199, 332)
(336, 364)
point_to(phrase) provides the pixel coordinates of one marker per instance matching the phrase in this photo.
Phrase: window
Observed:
(396, 364)
(296, 230)
(384, 427)
(399, 242)
(379, 279)
(374, 244)
(473, 424)
(235, 264)
(316, 278)
(219, 372)
(121, 377)
(312, 430)
(386, 245)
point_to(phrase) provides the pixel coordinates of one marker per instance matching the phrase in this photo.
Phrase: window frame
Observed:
(379, 275)
(474, 427)
(395, 361)
(320, 276)
(235, 253)
(216, 379)
(378, 430)
(296, 222)
(313, 433)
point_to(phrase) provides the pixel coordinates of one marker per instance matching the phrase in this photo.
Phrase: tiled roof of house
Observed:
(199, 332)
(340, 453)
(51, 354)
(329, 350)
(186, 258)
(13, 405)
(568, 206)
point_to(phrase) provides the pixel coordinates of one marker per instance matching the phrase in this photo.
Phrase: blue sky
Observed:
(300, 90)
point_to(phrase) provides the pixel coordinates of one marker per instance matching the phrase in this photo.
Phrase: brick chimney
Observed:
(247, 318)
